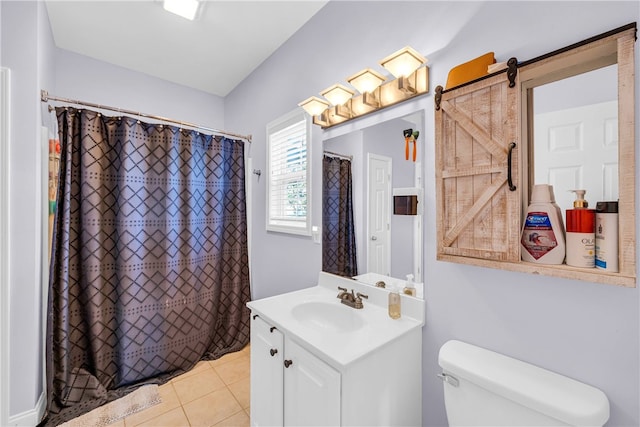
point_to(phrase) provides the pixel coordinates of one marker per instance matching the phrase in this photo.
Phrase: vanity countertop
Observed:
(339, 347)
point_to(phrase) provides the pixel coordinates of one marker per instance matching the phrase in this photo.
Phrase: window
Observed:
(289, 174)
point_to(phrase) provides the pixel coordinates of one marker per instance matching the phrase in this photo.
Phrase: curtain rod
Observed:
(342, 156)
(45, 97)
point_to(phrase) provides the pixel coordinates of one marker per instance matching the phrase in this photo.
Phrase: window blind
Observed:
(288, 195)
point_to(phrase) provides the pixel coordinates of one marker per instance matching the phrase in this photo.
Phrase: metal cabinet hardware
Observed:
(449, 379)
(273, 351)
(288, 363)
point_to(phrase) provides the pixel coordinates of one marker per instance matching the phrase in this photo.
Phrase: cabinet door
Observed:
(267, 354)
(311, 389)
(478, 214)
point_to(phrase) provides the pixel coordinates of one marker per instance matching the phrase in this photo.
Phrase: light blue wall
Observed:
(586, 331)
(83, 78)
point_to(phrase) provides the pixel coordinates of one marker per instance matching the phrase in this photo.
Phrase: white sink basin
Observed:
(328, 316)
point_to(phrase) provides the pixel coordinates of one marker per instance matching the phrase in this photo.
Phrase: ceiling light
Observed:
(185, 8)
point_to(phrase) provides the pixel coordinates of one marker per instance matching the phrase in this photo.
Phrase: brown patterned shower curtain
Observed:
(338, 228)
(150, 263)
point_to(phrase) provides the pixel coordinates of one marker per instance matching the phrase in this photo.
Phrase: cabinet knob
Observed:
(273, 351)
(288, 363)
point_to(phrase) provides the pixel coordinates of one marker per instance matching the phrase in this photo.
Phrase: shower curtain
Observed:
(338, 230)
(150, 263)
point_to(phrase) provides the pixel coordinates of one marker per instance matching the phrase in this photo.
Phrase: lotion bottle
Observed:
(581, 237)
(394, 303)
(607, 236)
(409, 288)
(542, 239)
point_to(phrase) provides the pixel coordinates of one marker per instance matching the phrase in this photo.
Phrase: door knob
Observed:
(288, 363)
(273, 351)
(374, 238)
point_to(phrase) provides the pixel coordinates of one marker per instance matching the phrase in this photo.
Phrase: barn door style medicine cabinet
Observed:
(490, 153)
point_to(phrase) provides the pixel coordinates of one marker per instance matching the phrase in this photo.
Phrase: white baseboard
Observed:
(32, 417)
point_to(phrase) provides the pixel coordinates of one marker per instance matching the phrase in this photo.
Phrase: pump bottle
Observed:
(581, 237)
(409, 288)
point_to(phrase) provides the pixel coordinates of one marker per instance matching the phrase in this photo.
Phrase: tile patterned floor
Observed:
(213, 393)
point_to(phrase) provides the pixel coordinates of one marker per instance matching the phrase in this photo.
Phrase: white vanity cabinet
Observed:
(311, 389)
(320, 372)
(267, 381)
(289, 385)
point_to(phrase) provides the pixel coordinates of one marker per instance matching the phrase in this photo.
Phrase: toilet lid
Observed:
(554, 395)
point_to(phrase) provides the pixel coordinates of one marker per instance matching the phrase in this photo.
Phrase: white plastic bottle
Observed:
(607, 236)
(543, 239)
(409, 288)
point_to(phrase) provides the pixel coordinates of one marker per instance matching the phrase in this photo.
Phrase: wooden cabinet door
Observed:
(478, 215)
(267, 382)
(311, 389)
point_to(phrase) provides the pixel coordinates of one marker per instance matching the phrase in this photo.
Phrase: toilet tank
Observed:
(484, 388)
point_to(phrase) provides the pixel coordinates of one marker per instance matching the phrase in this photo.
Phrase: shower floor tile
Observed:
(213, 393)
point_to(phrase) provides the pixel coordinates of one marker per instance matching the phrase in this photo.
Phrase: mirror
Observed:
(387, 244)
(605, 65)
(575, 136)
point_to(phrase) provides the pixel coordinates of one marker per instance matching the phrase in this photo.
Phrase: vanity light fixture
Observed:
(186, 8)
(402, 64)
(367, 82)
(318, 109)
(339, 96)
(411, 80)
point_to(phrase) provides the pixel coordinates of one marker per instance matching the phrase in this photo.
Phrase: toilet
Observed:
(483, 388)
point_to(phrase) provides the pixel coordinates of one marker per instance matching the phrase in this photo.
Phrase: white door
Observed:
(311, 389)
(267, 383)
(379, 215)
(577, 148)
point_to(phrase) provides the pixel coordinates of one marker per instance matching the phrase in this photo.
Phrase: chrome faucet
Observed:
(351, 299)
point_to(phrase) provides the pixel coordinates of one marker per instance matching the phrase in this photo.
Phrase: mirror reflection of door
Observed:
(386, 140)
(576, 136)
(379, 196)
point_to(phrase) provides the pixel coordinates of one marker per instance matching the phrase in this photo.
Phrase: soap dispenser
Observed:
(581, 233)
(409, 288)
(394, 303)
